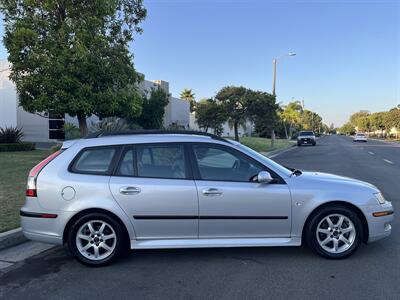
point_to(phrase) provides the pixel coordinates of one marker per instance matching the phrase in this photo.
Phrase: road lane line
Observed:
(372, 153)
(388, 161)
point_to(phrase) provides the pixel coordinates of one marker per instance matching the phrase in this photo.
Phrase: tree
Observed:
(153, 109)
(72, 56)
(188, 95)
(210, 114)
(291, 117)
(263, 112)
(376, 121)
(360, 120)
(235, 102)
(310, 121)
(392, 119)
(347, 128)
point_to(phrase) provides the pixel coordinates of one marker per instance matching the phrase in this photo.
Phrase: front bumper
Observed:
(379, 227)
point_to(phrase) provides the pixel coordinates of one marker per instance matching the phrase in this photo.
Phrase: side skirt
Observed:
(214, 243)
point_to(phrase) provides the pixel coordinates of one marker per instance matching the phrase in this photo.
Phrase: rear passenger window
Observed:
(166, 161)
(126, 167)
(94, 161)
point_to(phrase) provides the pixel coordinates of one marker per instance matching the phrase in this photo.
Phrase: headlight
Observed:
(380, 198)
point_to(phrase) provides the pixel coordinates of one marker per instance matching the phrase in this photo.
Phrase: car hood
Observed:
(326, 177)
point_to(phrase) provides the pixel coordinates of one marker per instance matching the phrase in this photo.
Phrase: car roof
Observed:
(145, 139)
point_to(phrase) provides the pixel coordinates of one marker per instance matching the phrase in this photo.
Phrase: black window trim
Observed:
(188, 165)
(111, 167)
(196, 171)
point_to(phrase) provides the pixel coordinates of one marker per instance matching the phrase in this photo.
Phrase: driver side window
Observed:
(215, 163)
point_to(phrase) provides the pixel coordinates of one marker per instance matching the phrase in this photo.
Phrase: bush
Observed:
(71, 132)
(9, 135)
(12, 147)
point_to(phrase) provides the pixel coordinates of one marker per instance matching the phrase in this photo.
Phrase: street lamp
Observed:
(274, 69)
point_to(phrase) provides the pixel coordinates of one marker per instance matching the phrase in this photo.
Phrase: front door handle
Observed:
(212, 192)
(129, 190)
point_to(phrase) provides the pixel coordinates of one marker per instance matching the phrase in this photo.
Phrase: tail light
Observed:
(31, 183)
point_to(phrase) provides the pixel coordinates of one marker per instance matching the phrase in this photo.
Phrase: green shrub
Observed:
(10, 135)
(12, 147)
(71, 132)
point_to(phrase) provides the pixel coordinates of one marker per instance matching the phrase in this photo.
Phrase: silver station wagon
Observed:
(116, 191)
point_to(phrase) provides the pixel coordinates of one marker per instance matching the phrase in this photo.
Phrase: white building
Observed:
(36, 127)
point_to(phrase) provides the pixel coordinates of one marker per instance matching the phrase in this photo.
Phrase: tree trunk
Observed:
(236, 127)
(286, 133)
(272, 138)
(82, 124)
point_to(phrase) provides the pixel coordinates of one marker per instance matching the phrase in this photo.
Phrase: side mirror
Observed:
(264, 177)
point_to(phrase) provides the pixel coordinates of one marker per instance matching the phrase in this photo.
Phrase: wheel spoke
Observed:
(87, 246)
(328, 219)
(102, 228)
(326, 241)
(340, 222)
(92, 231)
(346, 241)
(84, 237)
(105, 246)
(110, 236)
(348, 229)
(324, 231)
(96, 252)
(335, 244)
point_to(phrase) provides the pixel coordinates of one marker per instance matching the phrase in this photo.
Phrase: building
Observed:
(36, 127)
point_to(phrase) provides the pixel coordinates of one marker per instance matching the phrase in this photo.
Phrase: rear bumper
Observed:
(44, 227)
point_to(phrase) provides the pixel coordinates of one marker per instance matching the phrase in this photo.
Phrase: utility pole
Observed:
(274, 76)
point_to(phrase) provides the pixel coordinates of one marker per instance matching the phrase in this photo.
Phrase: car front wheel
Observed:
(95, 239)
(334, 232)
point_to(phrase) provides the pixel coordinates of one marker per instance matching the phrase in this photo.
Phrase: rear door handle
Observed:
(129, 190)
(212, 192)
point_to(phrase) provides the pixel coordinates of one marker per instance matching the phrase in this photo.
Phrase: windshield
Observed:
(306, 133)
(269, 162)
(360, 134)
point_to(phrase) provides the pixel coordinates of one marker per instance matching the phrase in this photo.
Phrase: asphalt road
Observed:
(241, 273)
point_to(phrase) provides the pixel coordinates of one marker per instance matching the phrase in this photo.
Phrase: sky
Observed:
(347, 52)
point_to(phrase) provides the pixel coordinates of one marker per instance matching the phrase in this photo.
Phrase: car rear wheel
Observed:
(334, 232)
(95, 239)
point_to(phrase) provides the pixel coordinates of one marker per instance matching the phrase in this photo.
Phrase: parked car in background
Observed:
(360, 137)
(306, 138)
(147, 190)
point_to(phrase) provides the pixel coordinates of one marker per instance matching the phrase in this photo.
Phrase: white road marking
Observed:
(388, 161)
(372, 153)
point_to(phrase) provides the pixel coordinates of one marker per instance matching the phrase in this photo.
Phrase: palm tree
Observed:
(188, 95)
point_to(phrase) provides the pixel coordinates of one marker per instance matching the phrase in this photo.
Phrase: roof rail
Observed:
(153, 131)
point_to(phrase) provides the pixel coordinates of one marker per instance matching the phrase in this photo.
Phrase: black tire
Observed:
(298, 144)
(315, 219)
(119, 244)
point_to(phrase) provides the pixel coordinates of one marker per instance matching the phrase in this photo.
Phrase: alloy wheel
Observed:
(96, 240)
(336, 233)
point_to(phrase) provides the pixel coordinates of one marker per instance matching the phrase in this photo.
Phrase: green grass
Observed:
(264, 145)
(14, 169)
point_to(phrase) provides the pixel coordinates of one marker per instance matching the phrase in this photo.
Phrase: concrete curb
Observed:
(274, 153)
(385, 141)
(11, 238)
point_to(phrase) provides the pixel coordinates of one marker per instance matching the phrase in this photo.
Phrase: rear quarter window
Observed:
(94, 161)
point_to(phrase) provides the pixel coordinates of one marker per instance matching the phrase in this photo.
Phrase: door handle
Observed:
(129, 190)
(212, 192)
